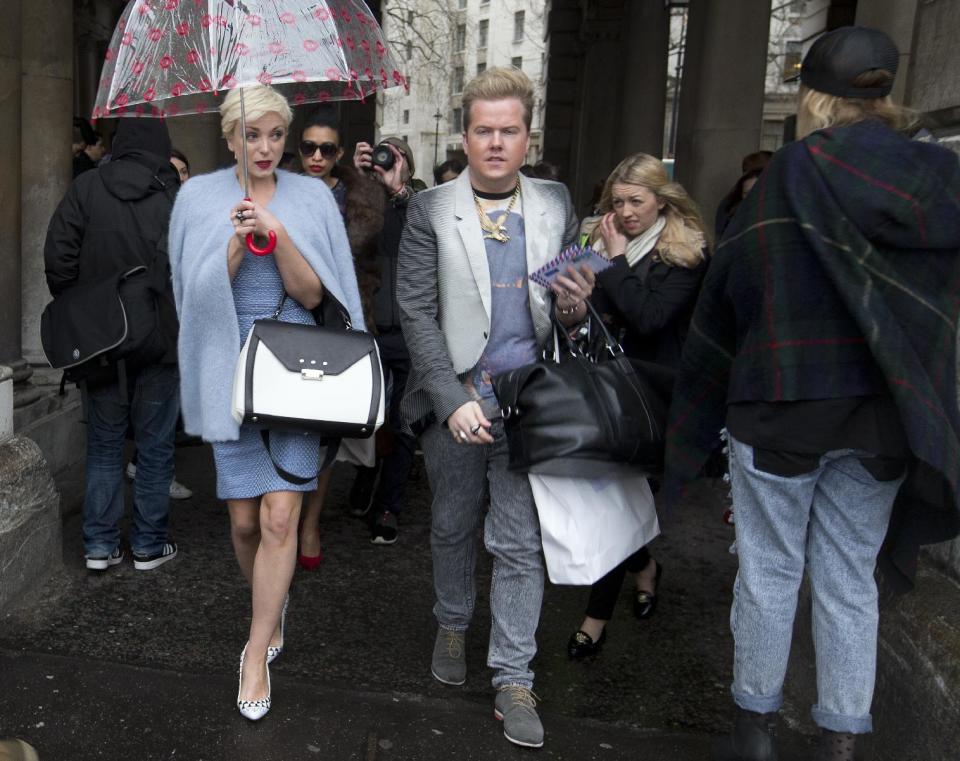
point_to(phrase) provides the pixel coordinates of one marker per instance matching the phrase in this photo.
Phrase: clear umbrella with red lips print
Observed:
(175, 57)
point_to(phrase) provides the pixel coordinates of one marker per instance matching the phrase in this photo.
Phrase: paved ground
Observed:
(141, 665)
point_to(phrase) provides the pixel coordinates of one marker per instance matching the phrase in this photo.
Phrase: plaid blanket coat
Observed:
(839, 276)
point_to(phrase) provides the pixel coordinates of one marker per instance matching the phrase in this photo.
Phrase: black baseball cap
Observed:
(837, 58)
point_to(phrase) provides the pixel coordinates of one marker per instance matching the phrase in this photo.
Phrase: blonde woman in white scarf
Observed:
(653, 235)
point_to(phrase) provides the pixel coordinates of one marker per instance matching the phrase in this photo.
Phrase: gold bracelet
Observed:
(567, 312)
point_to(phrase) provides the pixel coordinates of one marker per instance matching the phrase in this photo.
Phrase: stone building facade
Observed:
(444, 44)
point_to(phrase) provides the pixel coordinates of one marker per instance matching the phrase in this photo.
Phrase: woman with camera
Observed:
(361, 205)
(653, 235)
(221, 288)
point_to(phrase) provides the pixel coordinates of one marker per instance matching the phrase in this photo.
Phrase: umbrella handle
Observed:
(268, 249)
(254, 249)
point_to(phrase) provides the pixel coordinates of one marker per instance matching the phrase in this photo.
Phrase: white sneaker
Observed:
(179, 491)
(103, 562)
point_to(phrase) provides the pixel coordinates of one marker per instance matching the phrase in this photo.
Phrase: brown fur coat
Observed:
(364, 220)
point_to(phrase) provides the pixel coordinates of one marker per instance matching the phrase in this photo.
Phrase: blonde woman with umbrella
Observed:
(221, 288)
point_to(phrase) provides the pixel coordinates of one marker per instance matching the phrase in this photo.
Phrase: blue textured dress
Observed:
(244, 469)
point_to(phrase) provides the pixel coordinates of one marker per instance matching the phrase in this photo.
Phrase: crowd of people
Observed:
(818, 329)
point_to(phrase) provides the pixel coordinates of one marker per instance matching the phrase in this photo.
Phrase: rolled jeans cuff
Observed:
(834, 722)
(502, 679)
(758, 703)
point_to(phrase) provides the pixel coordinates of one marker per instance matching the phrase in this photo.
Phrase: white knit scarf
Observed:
(645, 242)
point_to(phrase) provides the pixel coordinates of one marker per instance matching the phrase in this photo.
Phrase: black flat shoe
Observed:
(645, 603)
(581, 645)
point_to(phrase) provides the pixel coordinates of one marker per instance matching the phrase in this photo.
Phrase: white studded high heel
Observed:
(273, 651)
(252, 709)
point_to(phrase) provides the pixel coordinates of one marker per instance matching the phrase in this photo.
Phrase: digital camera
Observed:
(383, 157)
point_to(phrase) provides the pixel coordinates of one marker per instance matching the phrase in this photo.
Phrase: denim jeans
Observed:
(460, 476)
(831, 521)
(151, 408)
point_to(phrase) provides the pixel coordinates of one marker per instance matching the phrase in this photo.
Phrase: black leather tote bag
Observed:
(585, 414)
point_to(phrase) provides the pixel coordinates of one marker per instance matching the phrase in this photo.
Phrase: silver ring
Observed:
(463, 435)
(475, 429)
(240, 215)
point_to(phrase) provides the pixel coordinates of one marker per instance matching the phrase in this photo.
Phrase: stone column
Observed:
(721, 97)
(896, 18)
(198, 137)
(644, 95)
(10, 183)
(47, 126)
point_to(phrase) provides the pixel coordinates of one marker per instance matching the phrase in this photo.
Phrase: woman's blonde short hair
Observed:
(499, 83)
(257, 101)
(684, 236)
(818, 110)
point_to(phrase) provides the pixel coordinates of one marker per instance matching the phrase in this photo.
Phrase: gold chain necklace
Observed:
(496, 230)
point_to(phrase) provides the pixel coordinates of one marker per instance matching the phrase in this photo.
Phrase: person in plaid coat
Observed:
(825, 340)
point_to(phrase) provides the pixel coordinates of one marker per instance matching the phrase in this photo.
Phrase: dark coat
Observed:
(115, 217)
(648, 306)
(837, 278)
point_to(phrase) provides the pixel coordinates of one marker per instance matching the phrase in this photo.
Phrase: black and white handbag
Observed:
(310, 378)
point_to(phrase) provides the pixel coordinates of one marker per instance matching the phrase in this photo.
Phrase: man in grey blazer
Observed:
(469, 312)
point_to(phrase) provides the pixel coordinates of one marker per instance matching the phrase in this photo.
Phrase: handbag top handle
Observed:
(611, 344)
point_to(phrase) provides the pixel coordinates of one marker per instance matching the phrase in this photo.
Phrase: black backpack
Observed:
(89, 329)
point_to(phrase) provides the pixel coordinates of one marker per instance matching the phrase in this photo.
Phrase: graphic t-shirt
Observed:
(513, 340)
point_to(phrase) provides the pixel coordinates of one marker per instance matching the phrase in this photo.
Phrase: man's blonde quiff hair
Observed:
(499, 83)
(818, 110)
(684, 236)
(257, 100)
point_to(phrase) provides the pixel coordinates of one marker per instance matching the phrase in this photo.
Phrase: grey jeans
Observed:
(461, 475)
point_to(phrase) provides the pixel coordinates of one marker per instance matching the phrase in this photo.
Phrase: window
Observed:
(461, 37)
(409, 51)
(517, 62)
(484, 28)
(458, 79)
(410, 18)
(481, 67)
(484, 2)
(456, 120)
(518, 20)
(461, 4)
(404, 138)
(406, 116)
(792, 56)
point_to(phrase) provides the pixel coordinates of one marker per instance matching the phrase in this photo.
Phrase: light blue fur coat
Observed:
(210, 339)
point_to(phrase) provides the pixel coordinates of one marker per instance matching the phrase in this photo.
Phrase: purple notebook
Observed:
(575, 256)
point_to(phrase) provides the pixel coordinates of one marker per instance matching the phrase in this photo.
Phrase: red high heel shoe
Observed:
(310, 562)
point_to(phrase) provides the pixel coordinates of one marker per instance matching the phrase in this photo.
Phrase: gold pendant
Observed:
(499, 234)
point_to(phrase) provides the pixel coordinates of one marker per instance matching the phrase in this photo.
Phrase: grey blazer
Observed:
(443, 286)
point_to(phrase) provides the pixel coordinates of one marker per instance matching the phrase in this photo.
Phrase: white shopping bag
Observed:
(361, 452)
(590, 525)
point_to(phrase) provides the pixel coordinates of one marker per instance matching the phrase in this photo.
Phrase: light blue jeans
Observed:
(831, 521)
(460, 477)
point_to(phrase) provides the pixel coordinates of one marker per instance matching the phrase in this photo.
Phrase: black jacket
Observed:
(386, 312)
(648, 306)
(116, 217)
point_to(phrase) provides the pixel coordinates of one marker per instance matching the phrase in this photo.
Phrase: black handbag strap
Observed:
(611, 345)
(331, 446)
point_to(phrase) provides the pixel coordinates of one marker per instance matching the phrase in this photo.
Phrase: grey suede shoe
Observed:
(449, 664)
(516, 706)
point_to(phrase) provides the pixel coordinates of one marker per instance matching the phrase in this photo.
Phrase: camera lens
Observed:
(383, 156)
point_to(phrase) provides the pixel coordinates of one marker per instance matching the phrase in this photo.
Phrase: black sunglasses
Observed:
(327, 150)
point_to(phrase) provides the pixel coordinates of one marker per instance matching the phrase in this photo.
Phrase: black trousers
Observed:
(606, 590)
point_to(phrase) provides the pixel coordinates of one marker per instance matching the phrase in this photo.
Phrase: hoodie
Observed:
(116, 216)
